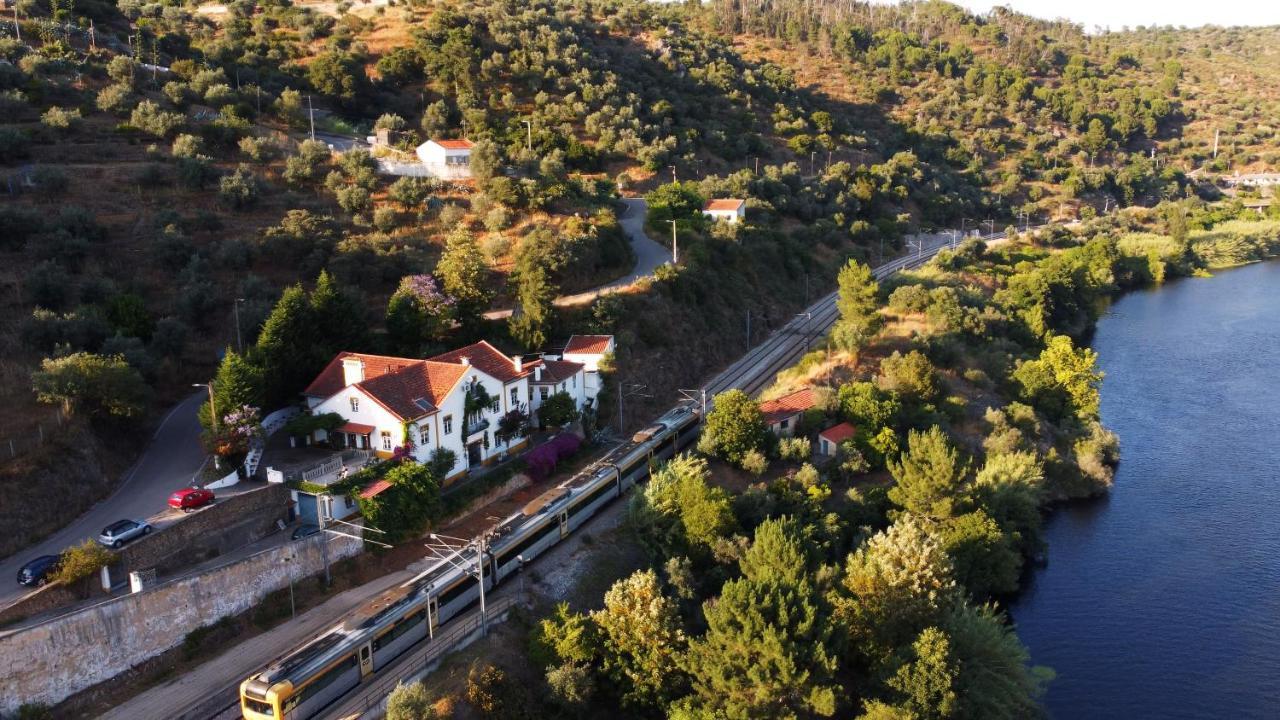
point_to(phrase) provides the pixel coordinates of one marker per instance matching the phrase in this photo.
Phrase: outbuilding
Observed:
(730, 210)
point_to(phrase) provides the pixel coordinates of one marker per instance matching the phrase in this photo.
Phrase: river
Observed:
(1163, 600)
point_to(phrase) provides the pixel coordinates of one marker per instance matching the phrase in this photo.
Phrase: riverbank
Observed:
(1159, 600)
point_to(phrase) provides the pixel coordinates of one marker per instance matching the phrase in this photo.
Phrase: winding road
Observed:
(648, 253)
(171, 459)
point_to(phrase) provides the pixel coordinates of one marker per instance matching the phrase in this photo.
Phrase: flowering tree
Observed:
(235, 433)
(418, 312)
(544, 458)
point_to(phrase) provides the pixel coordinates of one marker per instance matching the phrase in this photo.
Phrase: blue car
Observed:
(37, 571)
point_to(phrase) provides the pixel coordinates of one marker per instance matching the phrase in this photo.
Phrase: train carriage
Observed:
(300, 684)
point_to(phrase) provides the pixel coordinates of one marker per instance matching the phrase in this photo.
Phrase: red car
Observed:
(189, 499)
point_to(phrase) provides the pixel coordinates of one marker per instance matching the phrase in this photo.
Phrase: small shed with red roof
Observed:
(829, 440)
(730, 210)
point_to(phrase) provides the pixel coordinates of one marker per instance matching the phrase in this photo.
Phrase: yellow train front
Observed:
(259, 703)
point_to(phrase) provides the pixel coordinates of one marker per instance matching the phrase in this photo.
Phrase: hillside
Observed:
(161, 189)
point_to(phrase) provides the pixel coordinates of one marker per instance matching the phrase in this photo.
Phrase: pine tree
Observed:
(286, 348)
(528, 324)
(857, 302)
(930, 476)
(927, 683)
(767, 651)
(464, 274)
(237, 383)
(340, 320)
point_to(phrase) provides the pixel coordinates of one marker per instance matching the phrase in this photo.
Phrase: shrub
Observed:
(114, 98)
(149, 118)
(558, 410)
(259, 150)
(81, 561)
(385, 219)
(754, 462)
(796, 449)
(14, 144)
(240, 189)
(410, 702)
(60, 118)
(50, 180)
(542, 460)
(187, 146)
(496, 246)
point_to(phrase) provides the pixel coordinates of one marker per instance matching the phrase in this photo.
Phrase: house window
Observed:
(424, 435)
(355, 404)
(448, 424)
(515, 397)
(542, 393)
(575, 382)
(496, 407)
(785, 423)
(386, 440)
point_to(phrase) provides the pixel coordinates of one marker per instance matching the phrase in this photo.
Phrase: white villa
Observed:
(391, 403)
(446, 159)
(730, 210)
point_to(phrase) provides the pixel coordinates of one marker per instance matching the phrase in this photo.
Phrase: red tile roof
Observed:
(786, 406)
(374, 488)
(330, 380)
(725, 205)
(460, 144)
(416, 390)
(838, 433)
(486, 358)
(588, 344)
(356, 428)
(553, 371)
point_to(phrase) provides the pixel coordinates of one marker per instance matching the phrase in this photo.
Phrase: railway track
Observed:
(752, 372)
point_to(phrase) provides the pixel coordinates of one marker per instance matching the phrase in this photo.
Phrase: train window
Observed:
(454, 592)
(405, 625)
(595, 495)
(259, 707)
(536, 536)
(323, 681)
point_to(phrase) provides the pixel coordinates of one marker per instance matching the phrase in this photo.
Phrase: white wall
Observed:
(369, 413)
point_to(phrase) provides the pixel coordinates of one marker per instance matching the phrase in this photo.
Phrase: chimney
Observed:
(352, 371)
(464, 360)
(519, 363)
(537, 374)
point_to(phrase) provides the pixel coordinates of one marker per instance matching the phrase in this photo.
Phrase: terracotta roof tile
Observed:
(838, 433)
(330, 380)
(374, 488)
(724, 205)
(416, 390)
(486, 358)
(553, 371)
(459, 144)
(588, 344)
(784, 407)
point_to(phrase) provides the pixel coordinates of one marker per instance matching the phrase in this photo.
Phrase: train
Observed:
(302, 683)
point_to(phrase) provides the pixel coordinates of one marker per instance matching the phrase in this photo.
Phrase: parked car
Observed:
(37, 571)
(188, 499)
(304, 530)
(119, 533)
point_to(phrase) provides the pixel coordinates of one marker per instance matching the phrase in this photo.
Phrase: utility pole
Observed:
(311, 112)
(17, 29)
(1215, 137)
(675, 244)
(239, 344)
(757, 165)
(695, 396)
(455, 547)
(528, 126)
(748, 328)
(673, 172)
(813, 156)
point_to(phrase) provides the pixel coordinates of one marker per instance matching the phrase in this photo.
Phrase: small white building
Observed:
(448, 159)
(784, 413)
(590, 350)
(730, 210)
(556, 376)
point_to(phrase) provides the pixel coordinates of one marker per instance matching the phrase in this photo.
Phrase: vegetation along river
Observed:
(1163, 600)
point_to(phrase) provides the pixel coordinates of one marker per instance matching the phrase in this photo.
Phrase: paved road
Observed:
(649, 255)
(170, 460)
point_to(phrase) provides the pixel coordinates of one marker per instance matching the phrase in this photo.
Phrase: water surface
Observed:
(1163, 600)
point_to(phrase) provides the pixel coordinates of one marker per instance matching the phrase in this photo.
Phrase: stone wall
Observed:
(45, 599)
(227, 524)
(49, 662)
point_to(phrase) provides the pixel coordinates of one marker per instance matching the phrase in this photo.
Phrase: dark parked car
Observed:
(305, 530)
(189, 499)
(119, 533)
(37, 571)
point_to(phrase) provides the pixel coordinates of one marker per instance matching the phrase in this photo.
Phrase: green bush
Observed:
(81, 561)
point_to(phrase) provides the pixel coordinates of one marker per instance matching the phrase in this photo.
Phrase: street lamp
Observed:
(528, 124)
(673, 172)
(213, 417)
(675, 244)
(239, 344)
